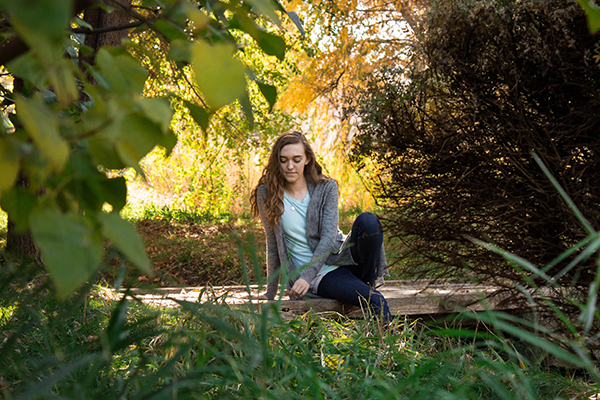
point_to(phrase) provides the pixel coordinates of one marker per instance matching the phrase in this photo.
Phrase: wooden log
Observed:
(403, 297)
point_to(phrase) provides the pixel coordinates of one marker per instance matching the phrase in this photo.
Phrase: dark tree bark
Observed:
(20, 244)
(98, 18)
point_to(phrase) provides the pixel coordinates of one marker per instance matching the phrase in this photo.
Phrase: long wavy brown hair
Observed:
(274, 180)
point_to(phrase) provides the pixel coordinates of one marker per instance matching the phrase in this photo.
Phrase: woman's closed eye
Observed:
(296, 160)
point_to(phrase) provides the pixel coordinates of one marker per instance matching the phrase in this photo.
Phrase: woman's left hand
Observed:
(300, 288)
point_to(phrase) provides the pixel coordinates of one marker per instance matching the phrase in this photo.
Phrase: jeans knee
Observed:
(378, 304)
(377, 299)
(369, 223)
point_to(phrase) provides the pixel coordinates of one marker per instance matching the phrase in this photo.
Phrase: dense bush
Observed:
(488, 83)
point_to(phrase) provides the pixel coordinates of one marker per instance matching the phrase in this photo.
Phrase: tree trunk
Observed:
(20, 244)
(98, 18)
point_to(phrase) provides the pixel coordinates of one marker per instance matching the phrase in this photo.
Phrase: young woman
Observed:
(298, 206)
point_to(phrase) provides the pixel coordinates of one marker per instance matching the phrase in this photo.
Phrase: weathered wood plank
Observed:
(404, 298)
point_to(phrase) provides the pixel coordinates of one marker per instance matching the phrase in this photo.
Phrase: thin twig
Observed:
(105, 29)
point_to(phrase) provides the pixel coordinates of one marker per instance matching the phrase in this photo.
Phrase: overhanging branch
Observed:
(13, 48)
(105, 29)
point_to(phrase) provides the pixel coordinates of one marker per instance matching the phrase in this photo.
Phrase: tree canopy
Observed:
(78, 114)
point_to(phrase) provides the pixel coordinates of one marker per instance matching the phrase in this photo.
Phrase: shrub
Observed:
(452, 133)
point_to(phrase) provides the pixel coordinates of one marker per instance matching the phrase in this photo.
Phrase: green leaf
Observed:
(125, 74)
(88, 193)
(30, 69)
(247, 107)
(82, 23)
(296, 20)
(138, 136)
(41, 123)
(18, 204)
(158, 111)
(170, 30)
(219, 76)
(124, 236)
(592, 12)
(179, 50)
(95, 73)
(168, 142)
(198, 17)
(9, 165)
(270, 93)
(115, 192)
(199, 114)
(42, 24)
(80, 164)
(271, 44)
(71, 249)
(104, 153)
(266, 7)
(62, 80)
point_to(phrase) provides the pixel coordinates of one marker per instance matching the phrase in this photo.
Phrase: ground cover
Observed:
(91, 346)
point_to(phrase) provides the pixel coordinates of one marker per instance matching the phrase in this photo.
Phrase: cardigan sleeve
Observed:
(273, 260)
(328, 229)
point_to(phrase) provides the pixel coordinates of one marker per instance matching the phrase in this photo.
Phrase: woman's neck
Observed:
(297, 190)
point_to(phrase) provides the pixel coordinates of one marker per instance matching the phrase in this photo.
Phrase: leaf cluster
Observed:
(75, 122)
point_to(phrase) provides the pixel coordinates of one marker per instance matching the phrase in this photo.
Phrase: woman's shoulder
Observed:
(326, 184)
(324, 187)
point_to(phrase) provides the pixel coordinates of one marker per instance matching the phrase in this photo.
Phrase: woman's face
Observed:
(292, 160)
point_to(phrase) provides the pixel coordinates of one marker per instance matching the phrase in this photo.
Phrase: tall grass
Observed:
(95, 346)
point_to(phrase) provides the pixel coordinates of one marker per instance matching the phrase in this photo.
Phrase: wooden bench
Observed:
(407, 297)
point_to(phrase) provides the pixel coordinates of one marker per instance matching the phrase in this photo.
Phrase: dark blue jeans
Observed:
(353, 284)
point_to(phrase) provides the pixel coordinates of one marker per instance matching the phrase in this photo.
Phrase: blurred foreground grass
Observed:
(92, 346)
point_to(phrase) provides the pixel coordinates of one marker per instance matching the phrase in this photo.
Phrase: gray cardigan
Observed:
(327, 242)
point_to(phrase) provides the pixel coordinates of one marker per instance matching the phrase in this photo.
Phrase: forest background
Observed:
(218, 82)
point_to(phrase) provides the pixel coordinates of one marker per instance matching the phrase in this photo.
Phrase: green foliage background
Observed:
(64, 336)
(59, 165)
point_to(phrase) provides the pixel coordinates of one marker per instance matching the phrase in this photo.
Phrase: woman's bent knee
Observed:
(369, 223)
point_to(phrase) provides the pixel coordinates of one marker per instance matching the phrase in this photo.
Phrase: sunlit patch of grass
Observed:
(3, 227)
(142, 211)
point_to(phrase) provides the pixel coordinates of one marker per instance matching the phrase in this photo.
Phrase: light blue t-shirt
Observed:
(293, 222)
